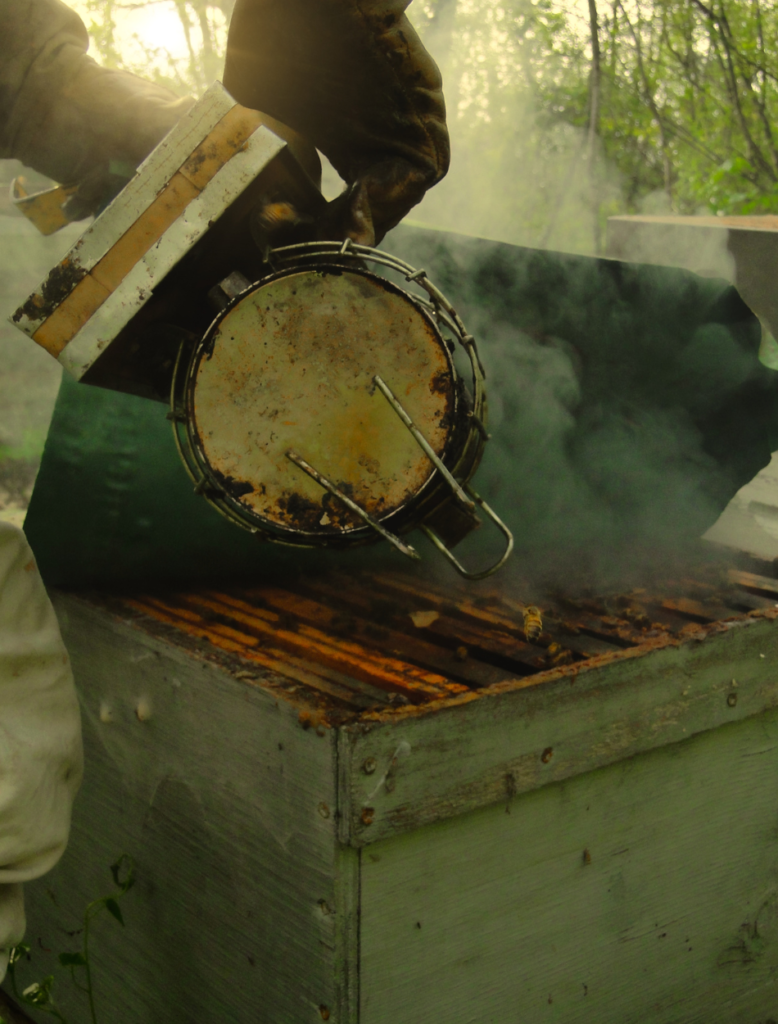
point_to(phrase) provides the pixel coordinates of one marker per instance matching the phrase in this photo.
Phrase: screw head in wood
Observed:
(732, 699)
(369, 765)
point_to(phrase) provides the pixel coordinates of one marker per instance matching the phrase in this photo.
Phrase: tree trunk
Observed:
(594, 125)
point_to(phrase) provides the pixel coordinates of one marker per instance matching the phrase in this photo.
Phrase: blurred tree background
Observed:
(618, 106)
(146, 36)
(562, 113)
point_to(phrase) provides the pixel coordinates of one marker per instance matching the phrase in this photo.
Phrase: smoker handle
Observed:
(452, 558)
(462, 492)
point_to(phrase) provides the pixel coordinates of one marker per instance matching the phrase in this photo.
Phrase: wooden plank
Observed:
(315, 677)
(699, 611)
(379, 670)
(137, 286)
(228, 805)
(346, 949)
(157, 169)
(493, 646)
(248, 642)
(643, 893)
(150, 177)
(752, 581)
(344, 690)
(379, 636)
(500, 634)
(596, 620)
(521, 736)
(500, 614)
(577, 639)
(247, 661)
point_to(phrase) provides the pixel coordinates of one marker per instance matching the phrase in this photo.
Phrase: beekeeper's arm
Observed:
(41, 760)
(353, 77)
(64, 115)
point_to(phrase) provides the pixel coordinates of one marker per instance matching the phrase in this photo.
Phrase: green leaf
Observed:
(72, 959)
(113, 908)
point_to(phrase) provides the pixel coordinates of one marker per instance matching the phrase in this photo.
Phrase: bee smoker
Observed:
(314, 390)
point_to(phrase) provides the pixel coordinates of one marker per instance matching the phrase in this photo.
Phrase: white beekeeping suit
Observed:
(41, 759)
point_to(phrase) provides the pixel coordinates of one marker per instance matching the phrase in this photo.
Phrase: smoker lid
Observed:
(290, 366)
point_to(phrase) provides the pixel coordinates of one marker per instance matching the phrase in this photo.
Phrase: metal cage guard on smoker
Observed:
(320, 309)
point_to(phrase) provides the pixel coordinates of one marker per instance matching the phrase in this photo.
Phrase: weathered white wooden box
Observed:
(343, 810)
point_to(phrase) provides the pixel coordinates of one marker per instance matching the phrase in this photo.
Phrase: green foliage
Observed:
(688, 96)
(700, 82)
(39, 994)
(204, 24)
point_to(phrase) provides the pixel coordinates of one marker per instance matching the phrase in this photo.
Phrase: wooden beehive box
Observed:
(370, 799)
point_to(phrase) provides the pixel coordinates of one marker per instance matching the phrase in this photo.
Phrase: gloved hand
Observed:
(66, 116)
(353, 78)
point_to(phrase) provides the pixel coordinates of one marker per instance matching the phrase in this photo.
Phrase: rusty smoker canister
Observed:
(323, 406)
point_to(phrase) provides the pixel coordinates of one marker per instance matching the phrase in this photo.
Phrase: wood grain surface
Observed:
(642, 893)
(227, 803)
(484, 748)
(591, 845)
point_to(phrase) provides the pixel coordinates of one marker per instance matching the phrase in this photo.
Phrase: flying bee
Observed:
(273, 216)
(271, 219)
(533, 623)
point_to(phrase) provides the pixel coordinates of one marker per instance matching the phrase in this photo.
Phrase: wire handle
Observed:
(467, 497)
(455, 561)
(406, 549)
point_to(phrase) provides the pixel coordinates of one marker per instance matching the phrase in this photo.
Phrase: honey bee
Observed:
(273, 218)
(533, 623)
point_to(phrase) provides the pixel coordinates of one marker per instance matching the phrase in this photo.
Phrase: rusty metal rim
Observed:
(436, 310)
(436, 302)
(210, 487)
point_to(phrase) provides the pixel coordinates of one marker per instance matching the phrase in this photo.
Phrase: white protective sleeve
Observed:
(41, 758)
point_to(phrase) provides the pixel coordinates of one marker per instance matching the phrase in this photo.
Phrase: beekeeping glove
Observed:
(64, 115)
(352, 77)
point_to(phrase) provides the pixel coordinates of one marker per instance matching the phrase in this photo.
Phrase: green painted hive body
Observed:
(590, 843)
